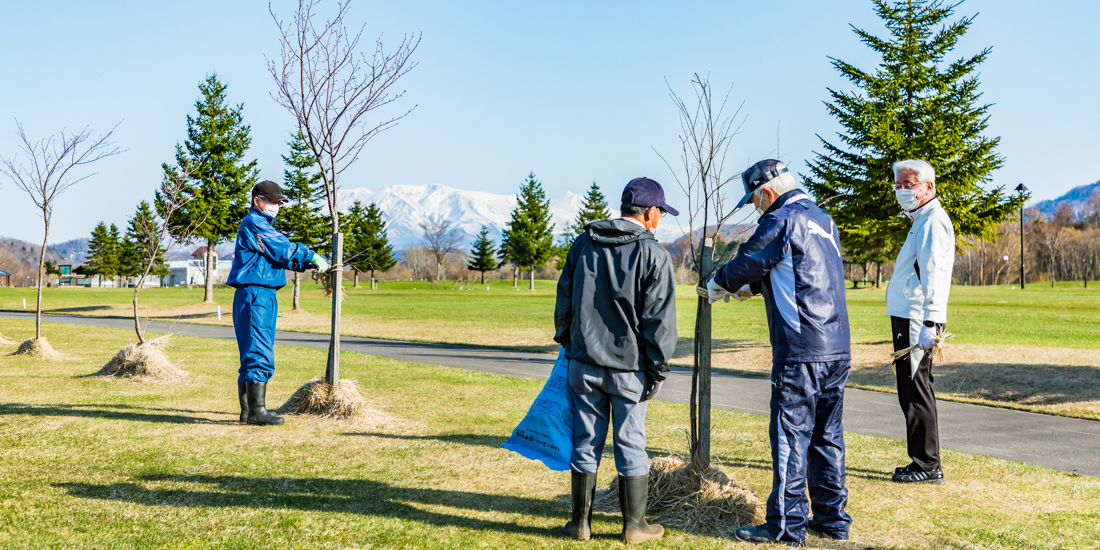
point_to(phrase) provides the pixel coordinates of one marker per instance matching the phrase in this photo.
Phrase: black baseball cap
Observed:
(270, 191)
(647, 193)
(758, 175)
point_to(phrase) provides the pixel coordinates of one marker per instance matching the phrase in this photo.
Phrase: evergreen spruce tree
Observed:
(593, 209)
(483, 257)
(221, 178)
(528, 242)
(915, 105)
(353, 226)
(377, 250)
(137, 246)
(103, 252)
(302, 220)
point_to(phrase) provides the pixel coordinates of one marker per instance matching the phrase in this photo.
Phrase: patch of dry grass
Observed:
(707, 503)
(40, 348)
(146, 361)
(5, 342)
(345, 401)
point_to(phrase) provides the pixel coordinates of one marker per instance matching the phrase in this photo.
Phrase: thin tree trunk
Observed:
(208, 295)
(515, 275)
(482, 277)
(294, 293)
(532, 279)
(355, 277)
(41, 275)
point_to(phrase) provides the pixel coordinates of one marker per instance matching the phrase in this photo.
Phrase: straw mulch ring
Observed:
(704, 504)
(144, 361)
(5, 341)
(37, 348)
(344, 402)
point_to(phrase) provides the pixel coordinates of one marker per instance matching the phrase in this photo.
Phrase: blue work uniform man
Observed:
(616, 318)
(262, 256)
(794, 260)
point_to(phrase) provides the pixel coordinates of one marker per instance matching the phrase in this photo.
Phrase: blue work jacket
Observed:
(263, 254)
(794, 260)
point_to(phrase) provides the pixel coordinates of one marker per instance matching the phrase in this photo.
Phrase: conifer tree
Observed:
(377, 250)
(353, 225)
(138, 245)
(483, 257)
(593, 209)
(528, 242)
(103, 252)
(218, 196)
(914, 105)
(302, 220)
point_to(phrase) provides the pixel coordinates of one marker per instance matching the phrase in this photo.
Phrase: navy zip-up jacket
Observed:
(793, 259)
(263, 254)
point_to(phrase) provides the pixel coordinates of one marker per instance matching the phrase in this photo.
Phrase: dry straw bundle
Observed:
(325, 278)
(345, 401)
(709, 503)
(5, 342)
(144, 361)
(936, 351)
(37, 348)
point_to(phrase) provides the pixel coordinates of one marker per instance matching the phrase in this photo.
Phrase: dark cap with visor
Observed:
(270, 192)
(759, 175)
(646, 193)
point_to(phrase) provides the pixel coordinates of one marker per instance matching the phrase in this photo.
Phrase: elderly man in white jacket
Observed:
(916, 301)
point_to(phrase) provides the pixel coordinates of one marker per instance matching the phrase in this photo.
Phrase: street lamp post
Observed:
(1023, 279)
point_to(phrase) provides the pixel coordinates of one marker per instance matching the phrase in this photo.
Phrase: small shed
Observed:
(5, 278)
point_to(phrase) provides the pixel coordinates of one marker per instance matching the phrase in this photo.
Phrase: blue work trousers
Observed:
(255, 309)
(807, 439)
(600, 395)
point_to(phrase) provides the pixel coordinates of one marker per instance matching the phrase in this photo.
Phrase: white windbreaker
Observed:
(921, 282)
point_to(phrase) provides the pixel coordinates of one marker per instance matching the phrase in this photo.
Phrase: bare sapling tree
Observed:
(442, 238)
(332, 87)
(51, 167)
(706, 133)
(156, 234)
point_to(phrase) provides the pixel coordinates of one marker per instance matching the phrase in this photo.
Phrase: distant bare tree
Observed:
(330, 86)
(706, 133)
(442, 238)
(49, 172)
(419, 262)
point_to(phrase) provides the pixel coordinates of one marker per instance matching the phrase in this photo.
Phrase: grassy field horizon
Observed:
(94, 462)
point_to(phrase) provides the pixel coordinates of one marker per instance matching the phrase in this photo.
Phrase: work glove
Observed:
(744, 293)
(652, 387)
(716, 292)
(320, 261)
(927, 338)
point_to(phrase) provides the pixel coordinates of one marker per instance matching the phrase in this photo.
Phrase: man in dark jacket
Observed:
(793, 259)
(259, 263)
(616, 319)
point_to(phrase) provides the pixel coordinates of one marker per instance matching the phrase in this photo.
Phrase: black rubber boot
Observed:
(257, 412)
(584, 492)
(242, 393)
(633, 493)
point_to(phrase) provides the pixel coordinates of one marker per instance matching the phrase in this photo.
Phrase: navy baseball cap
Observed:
(647, 193)
(758, 175)
(271, 191)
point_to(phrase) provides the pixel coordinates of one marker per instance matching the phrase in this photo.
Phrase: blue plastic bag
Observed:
(546, 433)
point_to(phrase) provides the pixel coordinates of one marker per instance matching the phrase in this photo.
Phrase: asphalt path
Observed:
(1066, 444)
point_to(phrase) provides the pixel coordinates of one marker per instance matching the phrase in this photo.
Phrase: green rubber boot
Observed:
(633, 492)
(242, 394)
(584, 492)
(257, 410)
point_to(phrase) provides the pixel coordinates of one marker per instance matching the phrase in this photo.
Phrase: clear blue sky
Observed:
(570, 90)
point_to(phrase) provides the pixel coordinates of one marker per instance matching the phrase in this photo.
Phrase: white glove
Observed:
(744, 293)
(716, 292)
(320, 262)
(927, 338)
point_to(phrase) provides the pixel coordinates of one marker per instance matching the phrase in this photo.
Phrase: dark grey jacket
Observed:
(616, 303)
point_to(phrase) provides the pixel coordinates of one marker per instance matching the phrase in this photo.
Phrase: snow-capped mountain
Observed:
(407, 206)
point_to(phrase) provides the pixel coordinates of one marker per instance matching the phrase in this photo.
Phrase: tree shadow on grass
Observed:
(465, 439)
(357, 496)
(114, 412)
(731, 463)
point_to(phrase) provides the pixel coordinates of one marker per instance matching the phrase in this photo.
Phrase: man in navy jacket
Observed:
(794, 260)
(262, 256)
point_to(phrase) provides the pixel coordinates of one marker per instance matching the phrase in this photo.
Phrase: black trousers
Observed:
(918, 401)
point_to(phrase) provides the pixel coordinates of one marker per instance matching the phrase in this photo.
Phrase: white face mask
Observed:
(272, 210)
(759, 201)
(907, 198)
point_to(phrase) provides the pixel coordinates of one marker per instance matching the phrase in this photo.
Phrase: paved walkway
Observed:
(1066, 444)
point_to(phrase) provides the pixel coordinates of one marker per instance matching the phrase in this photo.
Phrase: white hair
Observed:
(782, 183)
(924, 171)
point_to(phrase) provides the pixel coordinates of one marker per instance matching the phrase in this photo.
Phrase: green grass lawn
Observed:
(90, 462)
(1067, 316)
